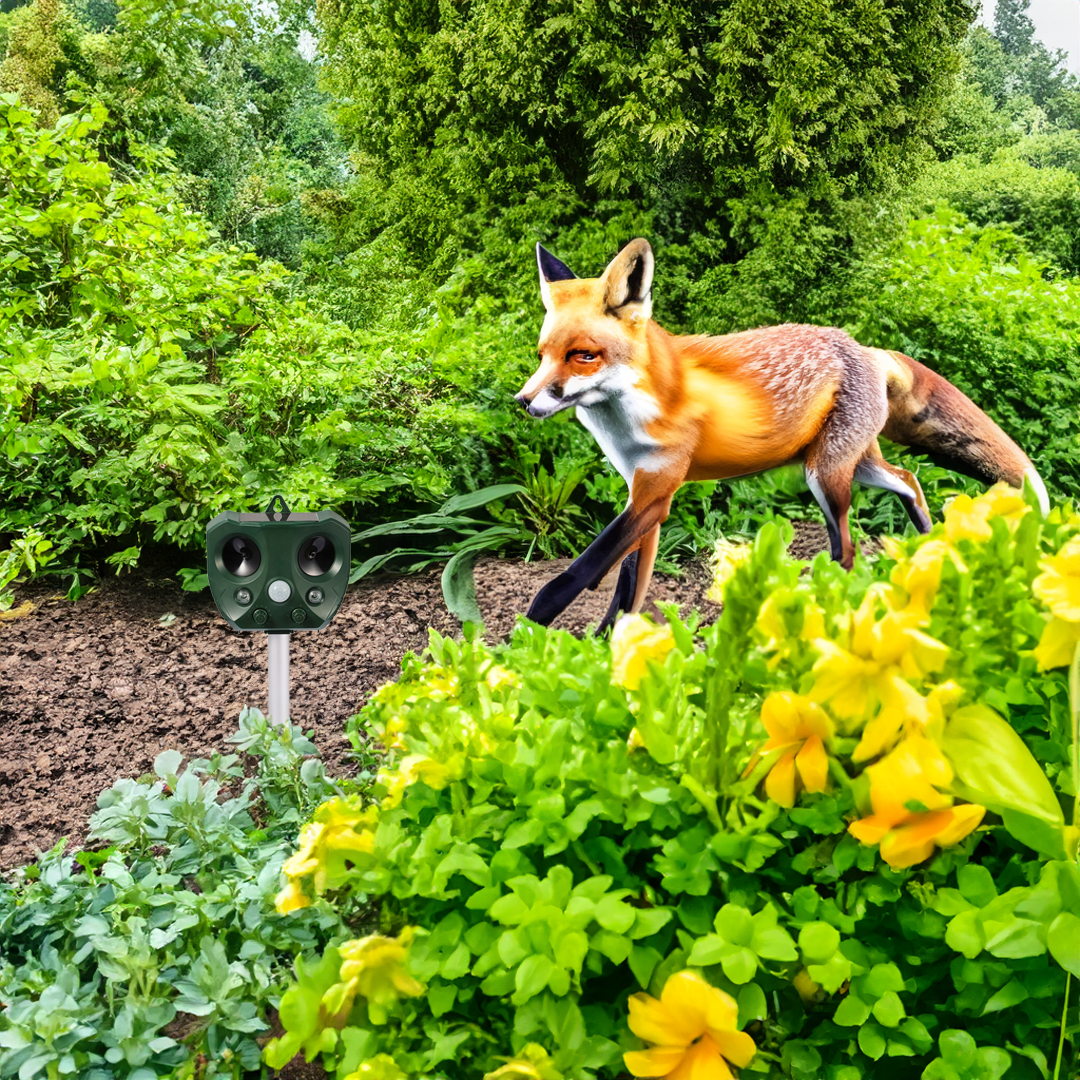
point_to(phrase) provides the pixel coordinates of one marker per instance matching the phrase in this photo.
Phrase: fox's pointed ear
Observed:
(551, 269)
(628, 279)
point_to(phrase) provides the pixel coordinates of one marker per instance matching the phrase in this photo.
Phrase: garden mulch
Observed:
(92, 691)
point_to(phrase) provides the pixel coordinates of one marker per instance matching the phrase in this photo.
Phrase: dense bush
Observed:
(568, 823)
(159, 953)
(154, 375)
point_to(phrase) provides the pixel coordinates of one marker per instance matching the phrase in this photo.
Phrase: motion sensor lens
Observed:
(240, 556)
(316, 556)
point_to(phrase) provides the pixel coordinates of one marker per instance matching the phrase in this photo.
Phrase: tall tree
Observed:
(1013, 28)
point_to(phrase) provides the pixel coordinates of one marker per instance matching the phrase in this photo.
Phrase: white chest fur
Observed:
(618, 423)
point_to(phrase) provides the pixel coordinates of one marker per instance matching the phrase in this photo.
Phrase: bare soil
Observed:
(92, 691)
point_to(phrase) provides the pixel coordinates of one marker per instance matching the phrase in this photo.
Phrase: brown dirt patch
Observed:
(91, 692)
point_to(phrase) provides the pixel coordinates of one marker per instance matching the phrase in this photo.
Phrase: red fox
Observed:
(666, 409)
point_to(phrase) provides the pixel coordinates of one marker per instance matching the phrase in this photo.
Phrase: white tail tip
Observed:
(1035, 480)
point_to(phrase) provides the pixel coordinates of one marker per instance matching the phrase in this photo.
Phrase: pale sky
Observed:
(1057, 25)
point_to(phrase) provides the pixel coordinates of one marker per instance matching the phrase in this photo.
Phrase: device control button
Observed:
(298, 615)
(279, 591)
(243, 596)
(259, 615)
(315, 596)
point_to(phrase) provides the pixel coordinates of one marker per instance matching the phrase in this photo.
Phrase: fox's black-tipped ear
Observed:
(629, 278)
(551, 269)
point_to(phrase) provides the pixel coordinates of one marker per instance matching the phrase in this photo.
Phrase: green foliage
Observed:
(160, 953)
(669, 104)
(973, 305)
(154, 376)
(1039, 203)
(561, 836)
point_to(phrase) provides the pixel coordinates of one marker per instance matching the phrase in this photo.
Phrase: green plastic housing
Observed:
(281, 539)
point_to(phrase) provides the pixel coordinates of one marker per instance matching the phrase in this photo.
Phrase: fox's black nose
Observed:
(520, 399)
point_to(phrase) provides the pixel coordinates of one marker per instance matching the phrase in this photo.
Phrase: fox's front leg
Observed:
(635, 530)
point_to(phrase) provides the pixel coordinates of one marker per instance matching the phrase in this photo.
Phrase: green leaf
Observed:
(872, 1041)
(994, 767)
(739, 964)
(735, 924)
(976, 885)
(852, 1012)
(818, 941)
(752, 1004)
(459, 588)
(1063, 941)
(889, 1009)
(965, 934)
(1012, 993)
(643, 962)
(532, 977)
(472, 499)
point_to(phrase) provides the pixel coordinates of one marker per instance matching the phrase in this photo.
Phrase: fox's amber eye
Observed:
(582, 355)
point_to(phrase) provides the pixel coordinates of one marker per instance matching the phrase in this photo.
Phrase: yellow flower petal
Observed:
(780, 783)
(653, 1021)
(1059, 585)
(687, 996)
(291, 898)
(702, 1062)
(912, 843)
(1057, 644)
(965, 819)
(736, 1046)
(634, 642)
(659, 1061)
(813, 764)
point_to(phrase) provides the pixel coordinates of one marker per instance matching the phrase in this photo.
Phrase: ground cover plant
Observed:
(836, 836)
(157, 951)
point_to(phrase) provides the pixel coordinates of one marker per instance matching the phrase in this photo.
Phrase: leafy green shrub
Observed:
(1038, 201)
(569, 823)
(162, 949)
(972, 304)
(153, 377)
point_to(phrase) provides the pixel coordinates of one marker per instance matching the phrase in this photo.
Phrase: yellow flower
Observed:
(883, 654)
(969, 519)
(965, 519)
(807, 989)
(923, 715)
(497, 677)
(727, 557)
(773, 626)
(920, 575)
(634, 642)
(799, 729)
(291, 898)
(1058, 643)
(911, 774)
(692, 1029)
(412, 768)
(1058, 587)
(1004, 501)
(533, 1063)
(634, 741)
(374, 967)
(341, 830)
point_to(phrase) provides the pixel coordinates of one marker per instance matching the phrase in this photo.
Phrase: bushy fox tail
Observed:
(929, 415)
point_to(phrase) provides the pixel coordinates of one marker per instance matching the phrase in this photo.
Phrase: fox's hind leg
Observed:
(832, 490)
(848, 435)
(875, 471)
